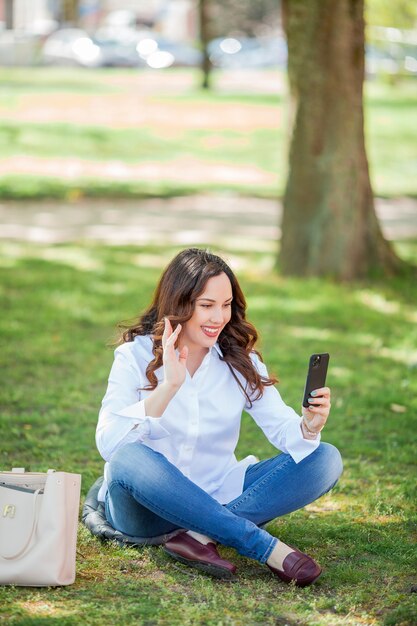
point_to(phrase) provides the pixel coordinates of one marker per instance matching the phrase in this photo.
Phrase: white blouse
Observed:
(199, 430)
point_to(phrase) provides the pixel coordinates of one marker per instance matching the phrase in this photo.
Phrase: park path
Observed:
(183, 170)
(230, 220)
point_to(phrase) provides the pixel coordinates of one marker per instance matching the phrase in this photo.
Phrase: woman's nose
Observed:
(216, 316)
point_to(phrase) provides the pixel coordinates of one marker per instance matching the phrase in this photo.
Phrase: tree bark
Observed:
(70, 12)
(9, 14)
(329, 222)
(204, 18)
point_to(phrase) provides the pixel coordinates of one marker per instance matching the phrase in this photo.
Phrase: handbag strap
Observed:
(25, 547)
(21, 470)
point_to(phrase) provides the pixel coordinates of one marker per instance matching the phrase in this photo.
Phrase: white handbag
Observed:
(38, 527)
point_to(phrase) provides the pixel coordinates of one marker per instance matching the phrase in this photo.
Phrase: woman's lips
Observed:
(210, 332)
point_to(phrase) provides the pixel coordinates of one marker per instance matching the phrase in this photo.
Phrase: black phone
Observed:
(316, 375)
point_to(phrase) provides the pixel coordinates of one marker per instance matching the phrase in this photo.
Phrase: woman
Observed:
(169, 425)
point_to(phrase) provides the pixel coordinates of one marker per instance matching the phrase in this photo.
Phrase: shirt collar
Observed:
(217, 347)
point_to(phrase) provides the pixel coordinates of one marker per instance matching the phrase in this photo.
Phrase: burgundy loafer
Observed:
(188, 550)
(298, 567)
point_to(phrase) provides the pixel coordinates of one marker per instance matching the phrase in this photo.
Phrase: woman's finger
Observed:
(167, 331)
(319, 413)
(174, 334)
(319, 405)
(183, 354)
(318, 402)
(167, 324)
(323, 391)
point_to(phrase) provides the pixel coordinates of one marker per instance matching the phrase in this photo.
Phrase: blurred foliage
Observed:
(394, 13)
(258, 17)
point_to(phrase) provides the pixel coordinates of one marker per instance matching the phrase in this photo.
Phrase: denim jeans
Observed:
(148, 496)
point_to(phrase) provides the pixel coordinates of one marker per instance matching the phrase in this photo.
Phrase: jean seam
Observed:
(269, 550)
(132, 491)
(248, 493)
(145, 539)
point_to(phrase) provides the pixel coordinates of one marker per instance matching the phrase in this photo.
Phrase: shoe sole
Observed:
(309, 582)
(298, 583)
(207, 568)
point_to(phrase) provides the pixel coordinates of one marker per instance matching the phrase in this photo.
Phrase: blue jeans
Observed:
(148, 496)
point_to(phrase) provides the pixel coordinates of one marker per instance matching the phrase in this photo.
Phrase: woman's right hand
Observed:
(175, 366)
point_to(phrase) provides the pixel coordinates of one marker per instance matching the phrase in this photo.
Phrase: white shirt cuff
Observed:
(147, 427)
(155, 430)
(296, 445)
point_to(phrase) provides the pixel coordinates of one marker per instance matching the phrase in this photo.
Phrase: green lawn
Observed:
(59, 308)
(391, 124)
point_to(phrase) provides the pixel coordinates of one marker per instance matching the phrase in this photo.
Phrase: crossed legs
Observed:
(149, 496)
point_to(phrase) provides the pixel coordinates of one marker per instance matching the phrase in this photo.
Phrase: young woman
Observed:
(169, 425)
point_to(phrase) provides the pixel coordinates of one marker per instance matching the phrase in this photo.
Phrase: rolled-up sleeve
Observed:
(279, 422)
(122, 418)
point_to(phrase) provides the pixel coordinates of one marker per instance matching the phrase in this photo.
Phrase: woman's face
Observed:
(213, 310)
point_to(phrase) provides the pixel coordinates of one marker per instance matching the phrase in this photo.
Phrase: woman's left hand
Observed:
(318, 411)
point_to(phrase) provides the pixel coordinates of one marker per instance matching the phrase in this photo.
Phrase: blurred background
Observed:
(130, 33)
(171, 98)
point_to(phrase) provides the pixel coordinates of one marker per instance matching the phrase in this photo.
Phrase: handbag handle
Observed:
(21, 470)
(25, 547)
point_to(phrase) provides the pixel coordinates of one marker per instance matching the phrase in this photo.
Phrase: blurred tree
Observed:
(329, 223)
(204, 24)
(234, 17)
(398, 14)
(69, 12)
(9, 14)
(244, 17)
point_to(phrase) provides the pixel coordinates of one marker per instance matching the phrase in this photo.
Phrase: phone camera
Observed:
(316, 361)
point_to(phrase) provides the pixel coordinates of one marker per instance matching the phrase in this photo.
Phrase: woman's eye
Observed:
(206, 306)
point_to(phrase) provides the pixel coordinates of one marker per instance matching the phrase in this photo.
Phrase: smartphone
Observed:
(316, 375)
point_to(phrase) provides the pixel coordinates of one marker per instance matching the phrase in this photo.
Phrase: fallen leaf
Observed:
(398, 408)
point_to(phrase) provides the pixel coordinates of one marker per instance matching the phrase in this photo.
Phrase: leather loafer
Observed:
(188, 550)
(298, 567)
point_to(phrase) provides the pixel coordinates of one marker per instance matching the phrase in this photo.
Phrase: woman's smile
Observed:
(211, 331)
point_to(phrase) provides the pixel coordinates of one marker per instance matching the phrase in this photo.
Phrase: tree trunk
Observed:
(203, 15)
(329, 222)
(9, 14)
(70, 12)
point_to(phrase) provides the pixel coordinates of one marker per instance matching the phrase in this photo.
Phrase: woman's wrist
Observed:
(307, 432)
(158, 400)
(170, 387)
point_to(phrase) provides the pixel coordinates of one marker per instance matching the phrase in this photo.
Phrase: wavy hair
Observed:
(181, 283)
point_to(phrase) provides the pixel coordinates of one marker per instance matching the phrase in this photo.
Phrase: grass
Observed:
(60, 304)
(142, 145)
(391, 149)
(23, 188)
(390, 114)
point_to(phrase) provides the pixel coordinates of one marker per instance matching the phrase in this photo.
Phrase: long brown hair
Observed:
(181, 283)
